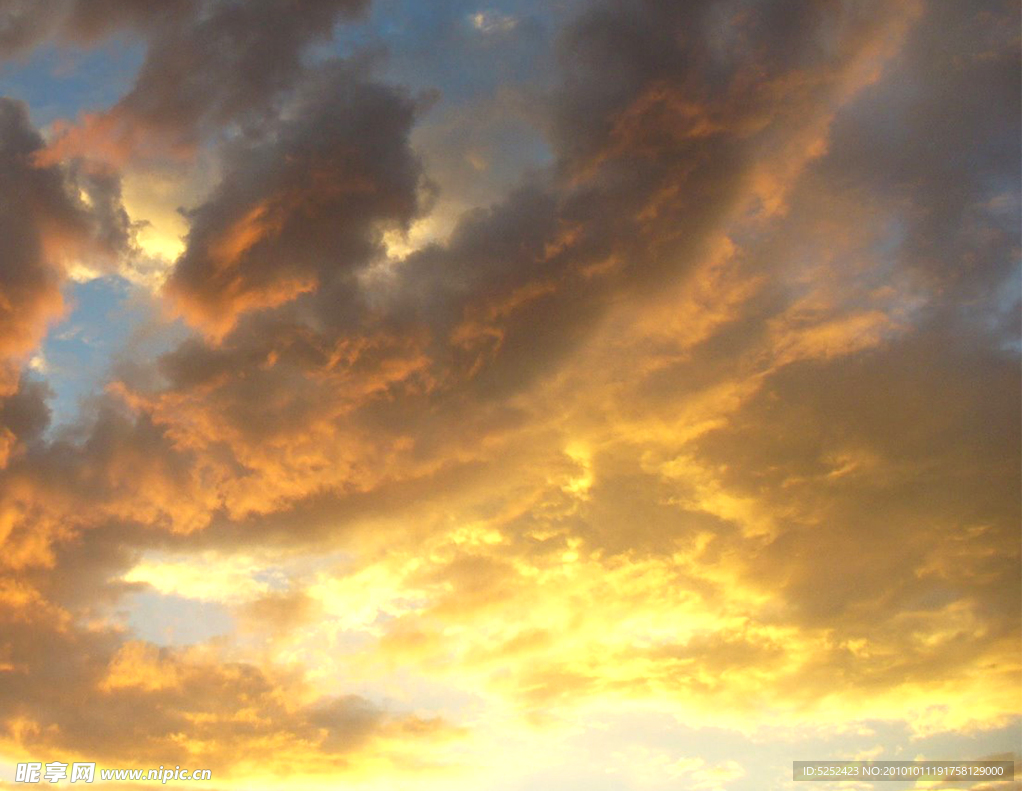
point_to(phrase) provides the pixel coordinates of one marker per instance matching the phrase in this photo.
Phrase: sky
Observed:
(615, 395)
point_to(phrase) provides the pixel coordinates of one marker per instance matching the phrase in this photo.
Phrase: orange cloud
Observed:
(713, 421)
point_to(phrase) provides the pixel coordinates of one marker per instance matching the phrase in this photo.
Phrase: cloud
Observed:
(771, 462)
(277, 281)
(715, 416)
(157, 695)
(24, 25)
(207, 66)
(303, 207)
(52, 220)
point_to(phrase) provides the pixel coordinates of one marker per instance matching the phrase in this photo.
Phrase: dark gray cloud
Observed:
(24, 24)
(302, 206)
(225, 60)
(209, 67)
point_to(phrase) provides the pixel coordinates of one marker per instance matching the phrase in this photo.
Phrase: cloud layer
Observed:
(714, 416)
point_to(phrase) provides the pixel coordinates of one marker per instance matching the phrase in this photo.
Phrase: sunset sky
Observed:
(555, 395)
